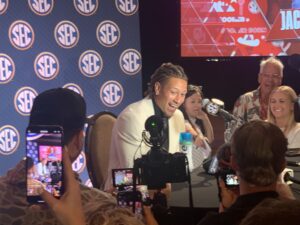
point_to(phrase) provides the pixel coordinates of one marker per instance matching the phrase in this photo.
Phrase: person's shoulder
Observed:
(249, 94)
(211, 218)
(297, 127)
(224, 218)
(100, 204)
(137, 107)
(15, 175)
(246, 98)
(178, 114)
(295, 130)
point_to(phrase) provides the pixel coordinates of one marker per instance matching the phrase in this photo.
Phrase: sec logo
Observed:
(127, 7)
(3, 6)
(90, 63)
(111, 93)
(23, 100)
(74, 87)
(41, 7)
(66, 34)
(46, 66)
(108, 33)
(130, 61)
(7, 69)
(21, 35)
(79, 164)
(9, 140)
(86, 7)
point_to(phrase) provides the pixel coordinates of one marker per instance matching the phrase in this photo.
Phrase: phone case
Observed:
(44, 167)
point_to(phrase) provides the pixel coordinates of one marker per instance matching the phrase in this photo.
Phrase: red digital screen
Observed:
(51, 153)
(228, 28)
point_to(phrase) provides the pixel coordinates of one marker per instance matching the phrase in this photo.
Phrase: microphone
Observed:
(288, 177)
(216, 110)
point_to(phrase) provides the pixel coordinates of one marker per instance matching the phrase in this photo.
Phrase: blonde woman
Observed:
(281, 113)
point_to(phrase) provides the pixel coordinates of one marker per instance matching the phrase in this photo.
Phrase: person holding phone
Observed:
(258, 156)
(71, 203)
(65, 108)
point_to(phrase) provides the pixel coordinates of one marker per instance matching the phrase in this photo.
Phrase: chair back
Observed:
(297, 109)
(97, 145)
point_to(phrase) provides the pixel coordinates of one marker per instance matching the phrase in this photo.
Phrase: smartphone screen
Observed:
(231, 180)
(44, 146)
(131, 200)
(122, 177)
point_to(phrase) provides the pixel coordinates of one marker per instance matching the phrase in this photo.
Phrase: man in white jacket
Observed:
(167, 91)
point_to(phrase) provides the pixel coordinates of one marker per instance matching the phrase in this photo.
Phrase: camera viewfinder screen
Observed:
(122, 177)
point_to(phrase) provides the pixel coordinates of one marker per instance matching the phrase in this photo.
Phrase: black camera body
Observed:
(159, 167)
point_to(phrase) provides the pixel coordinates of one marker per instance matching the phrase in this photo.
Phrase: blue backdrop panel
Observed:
(89, 46)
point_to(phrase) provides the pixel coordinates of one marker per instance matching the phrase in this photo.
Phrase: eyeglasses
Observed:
(274, 76)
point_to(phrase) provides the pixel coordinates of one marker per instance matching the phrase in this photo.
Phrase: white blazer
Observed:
(126, 142)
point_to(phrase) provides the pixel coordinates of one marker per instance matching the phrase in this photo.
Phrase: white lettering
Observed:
(25, 101)
(127, 5)
(41, 5)
(7, 142)
(290, 19)
(4, 69)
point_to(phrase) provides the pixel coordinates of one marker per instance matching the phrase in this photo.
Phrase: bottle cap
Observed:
(185, 137)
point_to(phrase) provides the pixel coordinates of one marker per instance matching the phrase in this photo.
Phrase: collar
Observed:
(253, 198)
(157, 110)
(193, 120)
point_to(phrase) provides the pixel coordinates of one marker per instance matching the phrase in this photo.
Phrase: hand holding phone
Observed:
(44, 146)
(70, 203)
(131, 199)
(227, 196)
(231, 180)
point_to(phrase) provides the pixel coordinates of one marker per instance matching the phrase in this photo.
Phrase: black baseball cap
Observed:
(59, 106)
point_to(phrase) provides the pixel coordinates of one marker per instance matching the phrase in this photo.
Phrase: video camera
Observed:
(159, 167)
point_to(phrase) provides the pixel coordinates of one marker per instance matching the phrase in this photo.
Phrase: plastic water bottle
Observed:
(186, 146)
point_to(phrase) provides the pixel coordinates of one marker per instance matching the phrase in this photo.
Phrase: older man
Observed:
(258, 157)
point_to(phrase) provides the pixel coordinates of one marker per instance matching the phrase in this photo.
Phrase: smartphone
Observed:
(231, 180)
(44, 166)
(131, 200)
(122, 177)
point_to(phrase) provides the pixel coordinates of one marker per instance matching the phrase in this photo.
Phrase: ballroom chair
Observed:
(97, 145)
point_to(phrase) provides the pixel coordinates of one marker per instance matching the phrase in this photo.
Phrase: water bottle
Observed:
(186, 146)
